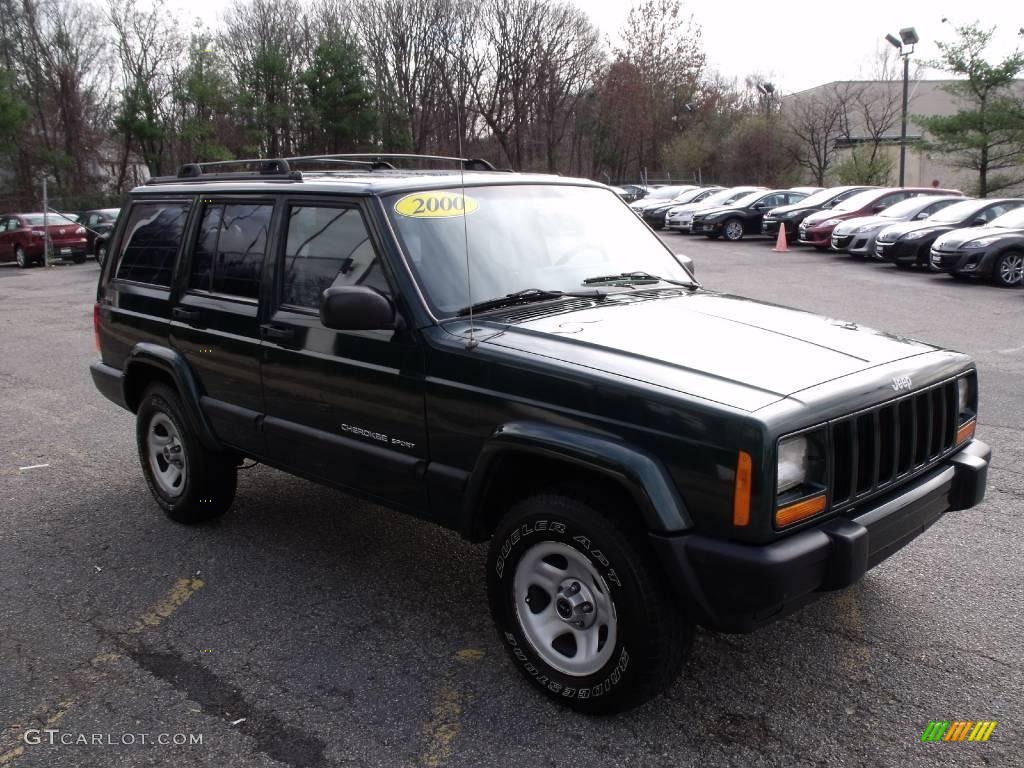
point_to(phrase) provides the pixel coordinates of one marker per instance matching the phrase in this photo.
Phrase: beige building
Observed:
(872, 108)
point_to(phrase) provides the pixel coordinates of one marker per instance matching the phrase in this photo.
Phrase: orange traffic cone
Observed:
(780, 243)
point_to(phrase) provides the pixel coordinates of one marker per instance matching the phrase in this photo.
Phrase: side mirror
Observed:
(760, 206)
(688, 264)
(357, 308)
(921, 215)
(979, 222)
(879, 207)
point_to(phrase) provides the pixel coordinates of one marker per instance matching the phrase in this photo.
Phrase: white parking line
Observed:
(34, 466)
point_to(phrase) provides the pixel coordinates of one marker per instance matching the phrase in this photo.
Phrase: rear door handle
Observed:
(186, 315)
(277, 333)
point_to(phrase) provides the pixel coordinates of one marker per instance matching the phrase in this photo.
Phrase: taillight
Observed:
(96, 324)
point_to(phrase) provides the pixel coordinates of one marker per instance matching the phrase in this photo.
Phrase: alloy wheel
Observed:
(166, 454)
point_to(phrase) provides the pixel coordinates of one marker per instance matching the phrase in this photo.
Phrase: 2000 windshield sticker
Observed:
(436, 204)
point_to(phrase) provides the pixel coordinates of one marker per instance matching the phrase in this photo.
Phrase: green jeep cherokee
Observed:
(519, 358)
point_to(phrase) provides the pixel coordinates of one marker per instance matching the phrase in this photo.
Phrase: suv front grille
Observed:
(876, 448)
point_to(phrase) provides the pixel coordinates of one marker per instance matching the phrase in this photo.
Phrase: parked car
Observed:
(995, 251)
(633, 192)
(816, 229)
(660, 196)
(643, 455)
(857, 236)
(98, 224)
(654, 215)
(680, 218)
(742, 217)
(22, 238)
(910, 244)
(791, 215)
(807, 190)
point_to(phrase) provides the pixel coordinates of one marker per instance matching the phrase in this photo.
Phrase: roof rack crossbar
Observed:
(378, 159)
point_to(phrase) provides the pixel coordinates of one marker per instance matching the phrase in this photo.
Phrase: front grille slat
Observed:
(877, 448)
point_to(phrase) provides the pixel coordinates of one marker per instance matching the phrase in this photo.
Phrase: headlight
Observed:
(828, 223)
(800, 485)
(37, 233)
(917, 234)
(785, 216)
(984, 242)
(80, 231)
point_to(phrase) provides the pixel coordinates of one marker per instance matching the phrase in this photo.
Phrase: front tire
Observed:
(191, 483)
(733, 230)
(579, 606)
(1008, 271)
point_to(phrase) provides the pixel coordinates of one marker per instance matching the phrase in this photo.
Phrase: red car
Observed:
(22, 238)
(817, 228)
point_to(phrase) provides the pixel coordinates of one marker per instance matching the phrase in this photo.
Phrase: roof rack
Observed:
(279, 169)
(377, 159)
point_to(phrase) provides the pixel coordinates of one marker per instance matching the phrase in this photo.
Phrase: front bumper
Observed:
(974, 261)
(840, 242)
(733, 587)
(899, 252)
(706, 227)
(820, 237)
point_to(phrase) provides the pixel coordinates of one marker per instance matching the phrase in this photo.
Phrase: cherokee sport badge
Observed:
(900, 383)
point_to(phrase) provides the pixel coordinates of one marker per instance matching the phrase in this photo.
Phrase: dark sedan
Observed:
(792, 215)
(908, 244)
(995, 251)
(98, 225)
(744, 216)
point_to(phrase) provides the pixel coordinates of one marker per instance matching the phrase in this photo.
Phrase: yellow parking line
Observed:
(858, 658)
(444, 725)
(182, 590)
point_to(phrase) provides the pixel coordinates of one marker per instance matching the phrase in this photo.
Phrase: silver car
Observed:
(857, 236)
(680, 218)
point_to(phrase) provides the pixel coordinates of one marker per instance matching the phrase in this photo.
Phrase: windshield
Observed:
(664, 192)
(958, 211)
(1012, 220)
(746, 198)
(36, 219)
(522, 236)
(719, 198)
(904, 209)
(819, 198)
(858, 201)
(689, 195)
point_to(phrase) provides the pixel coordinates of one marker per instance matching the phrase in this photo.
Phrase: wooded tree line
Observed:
(91, 89)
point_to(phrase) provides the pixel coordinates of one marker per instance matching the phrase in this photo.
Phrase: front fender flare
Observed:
(640, 473)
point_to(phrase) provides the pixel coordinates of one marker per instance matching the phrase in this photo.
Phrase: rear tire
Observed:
(191, 483)
(22, 258)
(622, 642)
(101, 253)
(1008, 271)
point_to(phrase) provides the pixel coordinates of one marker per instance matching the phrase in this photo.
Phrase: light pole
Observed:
(908, 37)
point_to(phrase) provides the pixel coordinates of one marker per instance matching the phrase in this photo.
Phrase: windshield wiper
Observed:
(634, 278)
(526, 296)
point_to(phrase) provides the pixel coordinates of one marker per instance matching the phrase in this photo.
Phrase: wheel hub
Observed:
(574, 604)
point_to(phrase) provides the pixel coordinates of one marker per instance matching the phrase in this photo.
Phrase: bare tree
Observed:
(816, 121)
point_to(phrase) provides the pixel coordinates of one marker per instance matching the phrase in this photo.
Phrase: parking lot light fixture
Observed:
(905, 45)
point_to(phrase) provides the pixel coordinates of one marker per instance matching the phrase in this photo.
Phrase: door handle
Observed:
(186, 315)
(277, 333)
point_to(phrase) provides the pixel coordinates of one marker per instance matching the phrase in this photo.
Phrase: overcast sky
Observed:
(796, 44)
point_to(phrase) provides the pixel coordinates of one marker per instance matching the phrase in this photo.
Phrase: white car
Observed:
(680, 218)
(660, 196)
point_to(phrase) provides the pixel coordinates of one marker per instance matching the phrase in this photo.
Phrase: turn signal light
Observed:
(741, 496)
(96, 325)
(794, 513)
(966, 432)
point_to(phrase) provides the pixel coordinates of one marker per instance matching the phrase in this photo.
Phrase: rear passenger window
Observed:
(151, 241)
(327, 247)
(230, 247)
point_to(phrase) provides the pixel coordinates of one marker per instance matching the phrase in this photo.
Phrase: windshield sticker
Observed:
(436, 204)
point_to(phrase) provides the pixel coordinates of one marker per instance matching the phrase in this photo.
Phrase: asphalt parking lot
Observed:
(310, 629)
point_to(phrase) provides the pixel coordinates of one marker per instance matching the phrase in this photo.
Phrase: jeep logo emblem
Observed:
(900, 383)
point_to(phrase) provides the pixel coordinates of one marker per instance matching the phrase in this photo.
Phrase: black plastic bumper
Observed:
(734, 587)
(109, 381)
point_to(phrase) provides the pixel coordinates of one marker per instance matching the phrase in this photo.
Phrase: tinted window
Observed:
(327, 247)
(229, 251)
(151, 239)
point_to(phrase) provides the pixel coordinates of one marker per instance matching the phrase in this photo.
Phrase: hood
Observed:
(820, 216)
(728, 349)
(792, 208)
(847, 226)
(895, 231)
(694, 207)
(711, 211)
(958, 237)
